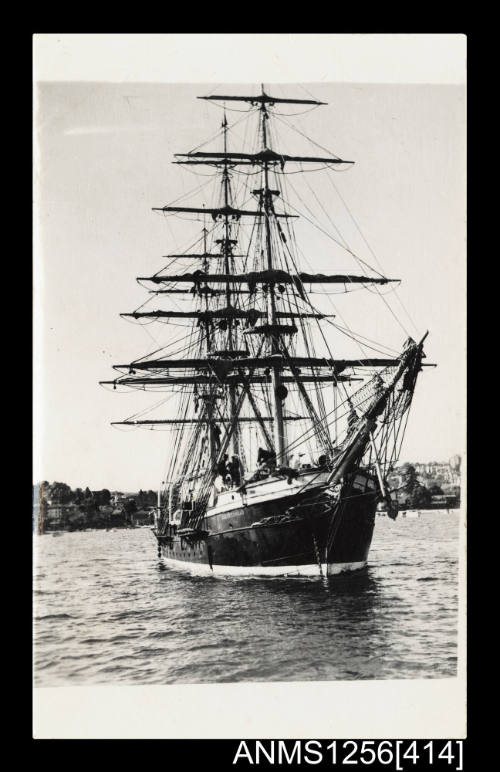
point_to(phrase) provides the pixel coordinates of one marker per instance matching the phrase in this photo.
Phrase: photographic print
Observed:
(250, 337)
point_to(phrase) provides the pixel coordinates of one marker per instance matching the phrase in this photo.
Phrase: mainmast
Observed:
(267, 203)
(228, 268)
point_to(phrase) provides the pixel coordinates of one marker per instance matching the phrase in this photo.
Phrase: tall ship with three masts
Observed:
(280, 450)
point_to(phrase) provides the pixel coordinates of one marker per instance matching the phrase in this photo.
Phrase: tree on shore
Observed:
(60, 493)
(417, 494)
(102, 498)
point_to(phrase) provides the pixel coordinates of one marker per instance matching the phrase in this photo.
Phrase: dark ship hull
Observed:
(306, 533)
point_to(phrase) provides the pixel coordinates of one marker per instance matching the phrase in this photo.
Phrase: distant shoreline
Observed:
(99, 528)
(380, 513)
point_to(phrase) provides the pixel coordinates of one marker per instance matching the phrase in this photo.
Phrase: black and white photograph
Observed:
(249, 402)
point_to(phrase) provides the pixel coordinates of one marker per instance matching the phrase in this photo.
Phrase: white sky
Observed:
(103, 160)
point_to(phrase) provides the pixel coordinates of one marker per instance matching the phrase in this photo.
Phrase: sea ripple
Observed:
(107, 612)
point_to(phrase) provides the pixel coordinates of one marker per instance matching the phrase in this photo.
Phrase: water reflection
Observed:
(298, 613)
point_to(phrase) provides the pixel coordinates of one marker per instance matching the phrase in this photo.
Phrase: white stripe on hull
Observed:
(312, 569)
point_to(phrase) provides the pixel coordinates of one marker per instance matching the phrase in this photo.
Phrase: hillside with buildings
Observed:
(57, 507)
(430, 485)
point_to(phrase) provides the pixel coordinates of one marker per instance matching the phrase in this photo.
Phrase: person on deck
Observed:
(222, 467)
(297, 464)
(266, 458)
(235, 470)
(216, 435)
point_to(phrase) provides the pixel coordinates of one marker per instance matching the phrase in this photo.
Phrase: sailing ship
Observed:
(280, 450)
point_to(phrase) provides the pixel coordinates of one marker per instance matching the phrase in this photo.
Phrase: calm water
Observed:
(107, 612)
